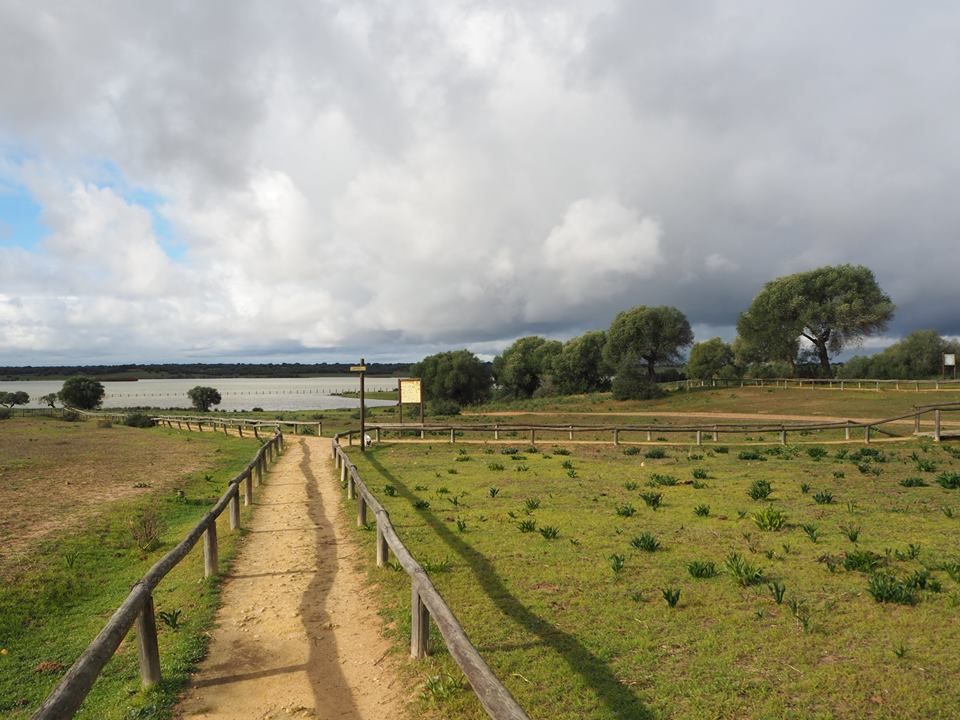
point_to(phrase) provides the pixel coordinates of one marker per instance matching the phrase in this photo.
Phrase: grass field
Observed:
(71, 495)
(561, 574)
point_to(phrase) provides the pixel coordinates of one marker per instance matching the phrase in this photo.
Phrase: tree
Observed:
(457, 376)
(203, 397)
(633, 383)
(81, 392)
(709, 358)
(50, 399)
(918, 355)
(9, 399)
(650, 335)
(520, 368)
(831, 307)
(580, 367)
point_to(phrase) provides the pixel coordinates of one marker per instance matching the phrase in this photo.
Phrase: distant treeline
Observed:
(196, 370)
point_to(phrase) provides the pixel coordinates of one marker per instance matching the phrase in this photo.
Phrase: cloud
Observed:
(403, 177)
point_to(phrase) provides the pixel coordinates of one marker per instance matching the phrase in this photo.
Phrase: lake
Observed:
(237, 393)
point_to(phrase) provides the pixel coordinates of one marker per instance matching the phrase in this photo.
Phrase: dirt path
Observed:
(298, 635)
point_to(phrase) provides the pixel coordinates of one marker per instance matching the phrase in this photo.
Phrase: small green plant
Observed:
(527, 526)
(947, 511)
(632, 450)
(70, 557)
(146, 528)
(770, 519)
(171, 619)
(421, 505)
(701, 510)
(801, 612)
(462, 458)
(702, 569)
(698, 484)
(699, 474)
(949, 480)
(923, 464)
(493, 491)
(531, 504)
(646, 541)
(455, 501)
(561, 451)
(521, 468)
(655, 454)
(778, 589)
(751, 455)
(652, 499)
(668, 480)
(839, 474)
(571, 473)
(852, 532)
(567, 465)
(721, 449)
(452, 471)
(913, 482)
(823, 497)
(743, 571)
(912, 553)
(900, 650)
(461, 525)
(440, 688)
(812, 531)
(760, 489)
(671, 595)
(509, 451)
(626, 510)
(389, 490)
(885, 588)
(630, 485)
(817, 453)
(617, 563)
(862, 561)
(804, 488)
(921, 580)
(495, 467)
(549, 532)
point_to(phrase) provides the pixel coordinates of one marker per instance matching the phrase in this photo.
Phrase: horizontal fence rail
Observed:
(874, 385)
(696, 433)
(138, 608)
(426, 601)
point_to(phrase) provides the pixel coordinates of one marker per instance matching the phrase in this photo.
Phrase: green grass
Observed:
(54, 600)
(571, 637)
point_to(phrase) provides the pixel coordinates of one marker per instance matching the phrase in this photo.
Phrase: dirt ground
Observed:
(54, 474)
(298, 635)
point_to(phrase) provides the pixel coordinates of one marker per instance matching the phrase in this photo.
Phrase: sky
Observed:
(309, 181)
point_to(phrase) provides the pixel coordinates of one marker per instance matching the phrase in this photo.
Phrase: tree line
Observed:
(793, 327)
(165, 371)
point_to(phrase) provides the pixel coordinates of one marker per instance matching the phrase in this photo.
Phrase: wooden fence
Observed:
(138, 608)
(426, 602)
(818, 383)
(681, 433)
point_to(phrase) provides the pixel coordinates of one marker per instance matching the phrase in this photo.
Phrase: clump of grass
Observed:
(702, 569)
(617, 563)
(751, 455)
(817, 453)
(921, 580)
(171, 619)
(804, 488)
(658, 479)
(632, 450)
(421, 505)
(531, 504)
(493, 491)
(389, 490)
(527, 526)
(701, 510)
(812, 531)
(630, 485)
(699, 474)
(743, 571)
(912, 553)
(769, 519)
(462, 458)
(495, 467)
(440, 688)
(885, 588)
(862, 561)
(521, 468)
(913, 482)
(801, 612)
(760, 489)
(721, 449)
(949, 480)
(442, 490)
(509, 451)
(823, 497)
(646, 542)
(699, 485)
(671, 595)
(652, 499)
(571, 473)
(839, 474)
(626, 510)
(851, 531)
(655, 454)
(549, 532)
(567, 465)
(923, 464)
(778, 589)
(461, 525)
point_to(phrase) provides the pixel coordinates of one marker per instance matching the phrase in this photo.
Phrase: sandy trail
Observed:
(298, 635)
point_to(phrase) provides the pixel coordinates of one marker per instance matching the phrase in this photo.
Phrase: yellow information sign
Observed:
(410, 391)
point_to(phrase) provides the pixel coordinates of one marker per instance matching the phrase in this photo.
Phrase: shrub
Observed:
(721, 449)
(862, 561)
(655, 454)
(632, 450)
(626, 510)
(702, 569)
(70, 416)
(139, 420)
(646, 541)
(913, 482)
(949, 480)
(389, 490)
(885, 588)
(146, 529)
(770, 519)
(760, 489)
(750, 455)
(444, 407)
(816, 452)
(495, 467)
(699, 474)
(421, 505)
(561, 451)
(658, 479)
(744, 571)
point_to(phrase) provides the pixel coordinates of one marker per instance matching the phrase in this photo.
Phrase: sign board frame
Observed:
(410, 391)
(949, 360)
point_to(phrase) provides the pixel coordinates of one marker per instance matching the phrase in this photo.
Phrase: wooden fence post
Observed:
(866, 434)
(419, 624)
(240, 430)
(453, 435)
(936, 425)
(649, 436)
(570, 432)
(846, 431)
(383, 551)
(916, 422)
(496, 431)
(247, 489)
(361, 510)
(256, 432)
(378, 435)
(149, 651)
(716, 433)
(699, 437)
(224, 427)
(783, 436)
(211, 559)
(533, 437)
(235, 508)
(350, 485)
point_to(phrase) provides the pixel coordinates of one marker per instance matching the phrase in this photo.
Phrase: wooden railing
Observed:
(695, 433)
(426, 602)
(138, 608)
(239, 424)
(823, 383)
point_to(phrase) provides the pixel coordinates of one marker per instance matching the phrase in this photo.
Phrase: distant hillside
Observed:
(196, 370)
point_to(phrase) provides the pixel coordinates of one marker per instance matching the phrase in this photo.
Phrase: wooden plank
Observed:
(148, 649)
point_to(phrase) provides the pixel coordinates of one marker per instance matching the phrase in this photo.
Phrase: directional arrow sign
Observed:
(358, 368)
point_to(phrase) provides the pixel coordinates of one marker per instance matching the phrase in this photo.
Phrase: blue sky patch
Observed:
(20, 218)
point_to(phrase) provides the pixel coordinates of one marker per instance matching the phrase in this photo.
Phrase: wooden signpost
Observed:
(362, 369)
(949, 361)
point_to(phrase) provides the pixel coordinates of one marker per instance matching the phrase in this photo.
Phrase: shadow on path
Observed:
(618, 698)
